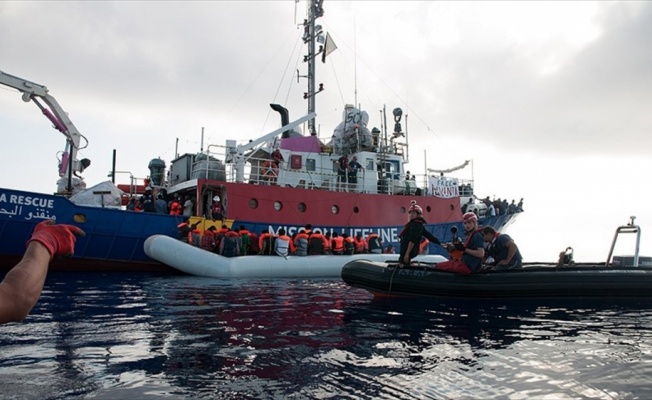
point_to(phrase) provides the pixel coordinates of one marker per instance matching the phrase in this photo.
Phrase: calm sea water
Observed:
(141, 336)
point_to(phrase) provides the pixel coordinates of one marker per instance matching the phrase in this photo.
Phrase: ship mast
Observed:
(310, 35)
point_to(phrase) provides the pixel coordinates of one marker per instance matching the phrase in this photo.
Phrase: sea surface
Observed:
(144, 336)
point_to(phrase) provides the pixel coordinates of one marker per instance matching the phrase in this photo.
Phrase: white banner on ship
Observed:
(443, 187)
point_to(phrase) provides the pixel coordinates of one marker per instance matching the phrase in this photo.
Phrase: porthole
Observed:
(428, 209)
(335, 209)
(278, 206)
(301, 207)
(403, 210)
(452, 207)
(356, 209)
(253, 204)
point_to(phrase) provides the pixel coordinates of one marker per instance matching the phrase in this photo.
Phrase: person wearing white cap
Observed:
(217, 211)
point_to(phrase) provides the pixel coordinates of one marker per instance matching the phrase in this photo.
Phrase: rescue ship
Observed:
(284, 179)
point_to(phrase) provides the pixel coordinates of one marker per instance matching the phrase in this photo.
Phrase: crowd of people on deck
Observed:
(495, 207)
(177, 205)
(181, 205)
(306, 242)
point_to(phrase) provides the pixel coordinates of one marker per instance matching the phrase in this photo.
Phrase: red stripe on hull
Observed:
(355, 209)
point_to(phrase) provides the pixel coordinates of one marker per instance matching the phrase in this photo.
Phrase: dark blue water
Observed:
(140, 336)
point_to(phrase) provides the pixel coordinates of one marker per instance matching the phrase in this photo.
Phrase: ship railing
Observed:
(322, 178)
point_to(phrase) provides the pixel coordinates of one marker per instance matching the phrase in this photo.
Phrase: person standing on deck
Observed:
(160, 205)
(175, 206)
(354, 166)
(342, 170)
(187, 207)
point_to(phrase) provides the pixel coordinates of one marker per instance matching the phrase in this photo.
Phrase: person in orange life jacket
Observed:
(245, 240)
(502, 249)
(195, 235)
(374, 244)
(412, 233)
(308, 229)
(175, 206)
(317, 244)
(208, 239)
(328, 243)
(253, 244)
(266, 243)
(219, 235)
(301, 240)
(217, 211)
(283, 245)
(349, 244)
(229, 246)
(185, 230)
(21, 287)
(337, 244)
(472, 250)
(423, 246)
(360, 244)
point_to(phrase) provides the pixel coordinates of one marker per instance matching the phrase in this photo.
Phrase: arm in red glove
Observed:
(59, 240)
(22, 286)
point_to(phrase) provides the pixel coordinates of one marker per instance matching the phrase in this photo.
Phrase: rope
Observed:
(391, 280)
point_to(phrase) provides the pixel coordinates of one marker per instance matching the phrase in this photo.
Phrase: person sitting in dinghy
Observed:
(283, 245)
(412, 233)
(472, 250)
(502, 249)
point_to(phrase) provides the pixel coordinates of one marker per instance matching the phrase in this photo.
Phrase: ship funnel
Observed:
(156, 171)
(285, 117)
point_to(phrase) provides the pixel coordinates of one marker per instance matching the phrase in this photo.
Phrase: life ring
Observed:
(270, 170)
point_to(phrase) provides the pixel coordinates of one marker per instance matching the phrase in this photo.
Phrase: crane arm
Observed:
(52, 110)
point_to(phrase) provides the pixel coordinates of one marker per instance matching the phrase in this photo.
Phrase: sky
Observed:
(550, 100)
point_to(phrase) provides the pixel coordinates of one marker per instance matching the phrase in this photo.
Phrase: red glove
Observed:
(59, 240)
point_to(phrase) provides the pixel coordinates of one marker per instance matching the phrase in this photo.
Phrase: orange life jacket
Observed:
(338, 244)
(360, 245)
(175, 208)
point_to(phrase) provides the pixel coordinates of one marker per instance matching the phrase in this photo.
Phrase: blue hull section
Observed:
(388, 234)
(114, 238)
